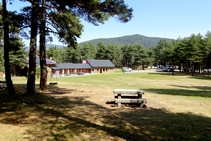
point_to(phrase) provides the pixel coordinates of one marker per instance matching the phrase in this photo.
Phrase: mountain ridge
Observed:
(119, 41)
(128, 39)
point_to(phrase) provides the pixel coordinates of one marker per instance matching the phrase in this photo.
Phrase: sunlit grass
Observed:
(179, 108)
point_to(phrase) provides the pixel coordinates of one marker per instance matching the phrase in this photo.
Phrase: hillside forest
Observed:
(190, 53)
(147, 42)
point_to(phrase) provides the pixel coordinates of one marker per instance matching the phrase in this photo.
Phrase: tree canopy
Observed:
(62, 15)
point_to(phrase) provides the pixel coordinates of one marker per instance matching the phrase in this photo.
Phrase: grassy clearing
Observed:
(179, 108)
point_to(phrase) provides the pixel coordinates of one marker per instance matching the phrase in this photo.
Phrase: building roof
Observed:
(101, 63)
(71, 66)
(48, 61)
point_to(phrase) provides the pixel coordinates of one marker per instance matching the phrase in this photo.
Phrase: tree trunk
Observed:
(43, 67)
(199, 69)
(32, 52)
(187, 68)
(13, 68)
(192, 69)
(142, 66)
(10, 86)
(173, 70)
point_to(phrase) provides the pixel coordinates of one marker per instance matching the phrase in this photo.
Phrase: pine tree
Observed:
(10, 86)
(93, 51)
(159, 52)
(70, 52)
(17, 53)
(131, 51)
(141, 56)
(118, 56)
(2, 69)
(77, 57)
(126, 57)
(151, 55)
(193, 51)
(43, 67)
(207, 50)
(101, 51)
(180, 52)
(33, 46)
(87, 51)
(110, 53)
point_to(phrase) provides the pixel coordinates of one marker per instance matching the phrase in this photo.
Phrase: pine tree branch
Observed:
(52, 26)
(55, 22)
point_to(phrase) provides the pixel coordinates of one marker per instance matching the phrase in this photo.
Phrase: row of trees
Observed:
(189, 53)
(127, 55)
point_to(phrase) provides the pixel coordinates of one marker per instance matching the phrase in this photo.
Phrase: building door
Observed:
(100, 70)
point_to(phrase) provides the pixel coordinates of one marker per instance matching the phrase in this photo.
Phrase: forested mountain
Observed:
(119, 41)
(130, 39)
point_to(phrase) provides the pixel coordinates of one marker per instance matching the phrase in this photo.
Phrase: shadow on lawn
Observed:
(61, 117)
(161, 73)
(196, 75)
(205, 88)
(203, 91)
(181, 92)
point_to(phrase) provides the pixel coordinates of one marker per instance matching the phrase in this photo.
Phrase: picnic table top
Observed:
(3, 82)
(128, 91)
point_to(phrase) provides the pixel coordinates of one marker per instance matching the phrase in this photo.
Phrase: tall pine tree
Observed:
(101, 51)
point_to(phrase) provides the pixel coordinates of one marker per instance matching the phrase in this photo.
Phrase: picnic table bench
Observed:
(132, 96)
(3, 84)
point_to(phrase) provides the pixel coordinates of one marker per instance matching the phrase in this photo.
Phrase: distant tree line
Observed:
(127, 55)
(190, 53)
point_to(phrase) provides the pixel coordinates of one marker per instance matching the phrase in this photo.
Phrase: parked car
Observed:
(171, 69)
(159, 70)
(125, 69)
(165, 69)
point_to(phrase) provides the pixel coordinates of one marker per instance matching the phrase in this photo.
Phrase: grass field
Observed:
(178, 108)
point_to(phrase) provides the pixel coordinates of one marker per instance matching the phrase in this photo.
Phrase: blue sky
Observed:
(152, 18)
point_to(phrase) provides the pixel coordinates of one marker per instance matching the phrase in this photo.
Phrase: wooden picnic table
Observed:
(3, 84)
(129, 96)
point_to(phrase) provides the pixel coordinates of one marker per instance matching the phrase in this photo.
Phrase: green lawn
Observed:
(80, 108)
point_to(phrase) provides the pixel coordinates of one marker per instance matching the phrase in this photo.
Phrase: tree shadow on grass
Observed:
(161, 73)
(50, 116)
(204, 88)
(62, 117)
(159, 124)
(201, 91)
(196, 75)
(181, 92)
(52, 89)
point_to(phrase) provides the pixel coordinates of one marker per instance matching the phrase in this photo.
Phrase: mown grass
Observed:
(179, 108)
